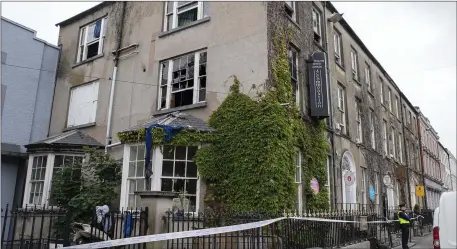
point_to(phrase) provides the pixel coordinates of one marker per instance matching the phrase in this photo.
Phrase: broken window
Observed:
(183, 81)
(181, 13)
(91, 40)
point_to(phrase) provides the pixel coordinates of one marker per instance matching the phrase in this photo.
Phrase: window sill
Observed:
(357, 81)
(178, 29)
(340, 66)
(181, 108)
(79, 126)
(87, 60)
(320, 47)
(371, 93)
(293, 22)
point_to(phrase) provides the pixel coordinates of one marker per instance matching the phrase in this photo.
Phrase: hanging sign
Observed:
(317, 78)
(349, 178)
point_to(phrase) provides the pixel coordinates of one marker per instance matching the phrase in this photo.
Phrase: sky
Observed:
(415, 42)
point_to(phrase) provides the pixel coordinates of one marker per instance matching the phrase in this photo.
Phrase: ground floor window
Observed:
(40, 172)
(173, 169)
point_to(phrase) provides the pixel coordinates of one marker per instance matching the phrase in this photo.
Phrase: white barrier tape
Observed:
(205, 232)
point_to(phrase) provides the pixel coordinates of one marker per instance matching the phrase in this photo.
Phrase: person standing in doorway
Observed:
(404, 220)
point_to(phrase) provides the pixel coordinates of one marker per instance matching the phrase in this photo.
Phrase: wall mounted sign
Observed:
(371, 193)
(387, 180)
(349, 178)
(315, 186)
(317, 77)
(419, 190)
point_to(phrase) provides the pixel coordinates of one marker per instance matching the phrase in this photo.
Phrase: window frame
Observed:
(95, 87)
(364, 187)
(337, 39)
(381, 89)
(317, 30)
(389, 97)
(291, 49)
(175, 12)
(156, 177)
(354, 64)
(384, 137)
(47, 181)
(83, 34)
(397, 110)
(368, 76)
(196, 80)
(400, 153)
(393, 145)
(372, 132)
(342, 101)
(358, 119)
(292, 6)
(299, 197)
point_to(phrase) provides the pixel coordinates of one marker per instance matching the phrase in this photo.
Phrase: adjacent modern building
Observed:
(29, 67)
(132, 64)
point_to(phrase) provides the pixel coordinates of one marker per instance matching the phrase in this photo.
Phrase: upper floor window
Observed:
(392, 142)
(389, 96)
(368, 76)
(381, 89)
(83, 104)
(372, 135)
(384, 136)
(397, 108)
(337, 47)
(317, 25)
(183, 81)
(342, 108)
(181, 13)
(291, 10)
(91, 39)
(354, 65)
(293, 67)
(359, 120)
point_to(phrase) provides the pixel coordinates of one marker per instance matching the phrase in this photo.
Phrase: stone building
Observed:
(132, 64)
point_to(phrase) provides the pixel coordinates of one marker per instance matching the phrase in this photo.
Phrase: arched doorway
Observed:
(349, 183)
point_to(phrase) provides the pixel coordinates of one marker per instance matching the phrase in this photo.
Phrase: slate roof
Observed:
(73, 137)
(182, 119)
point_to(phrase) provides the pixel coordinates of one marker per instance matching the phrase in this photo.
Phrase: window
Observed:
(372, 136)
(400, 152)
(298, 181)
(337, 47)
(384, 136)
(179, 172)
(183, 81)
(60, 161)
(291, 7)
(37, 180)
(135, 178)
(293, 67)
(354, 65)
(364, 187)
(381, 89)
(317, 25)
(181, 13)
(397, 108)
(91, 39)
(389, 96)
(83, 104)
(368, 76)
(342, 108)
(359, 120)
(392, 142)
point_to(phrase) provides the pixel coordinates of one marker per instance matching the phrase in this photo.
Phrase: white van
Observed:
(444, 222)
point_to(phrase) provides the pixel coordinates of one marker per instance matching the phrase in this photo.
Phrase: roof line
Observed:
(30, 30)
(82, 14)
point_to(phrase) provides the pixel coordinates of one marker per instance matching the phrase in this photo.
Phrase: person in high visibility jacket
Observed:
(404, 220)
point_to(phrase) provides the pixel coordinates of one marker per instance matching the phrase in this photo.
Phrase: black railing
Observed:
(45, 227)
(285, 234)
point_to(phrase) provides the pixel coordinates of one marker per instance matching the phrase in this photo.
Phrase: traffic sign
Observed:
(419, 190)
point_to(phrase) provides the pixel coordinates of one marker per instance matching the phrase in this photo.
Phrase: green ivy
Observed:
(183, 137)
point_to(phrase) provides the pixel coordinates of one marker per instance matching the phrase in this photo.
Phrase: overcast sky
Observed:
(414, 41)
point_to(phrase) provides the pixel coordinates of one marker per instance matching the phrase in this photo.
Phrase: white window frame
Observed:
(292, 5)
(156, 166)
(82, 40)
(400, 153)
(364, 187)
(397, 111)
(47, 179)
(386, 151)
(291, 51)
(389, 96)
(394, 148)
(299, 180)
(317, 23)
(381, 90)
(368, 76)
(72, 110)
(372, 135)
(178, 10)
(342, 107)
(337, 47)
(354, 65)
(196, 83)
(358, 119)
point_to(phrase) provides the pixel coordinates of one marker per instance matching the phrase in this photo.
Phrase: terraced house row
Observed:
(126, 65)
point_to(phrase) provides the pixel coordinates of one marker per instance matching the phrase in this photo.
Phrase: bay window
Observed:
(91, 38)
(183, 81)
(182, 13)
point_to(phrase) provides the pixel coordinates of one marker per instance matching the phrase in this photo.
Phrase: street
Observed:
(425, 242)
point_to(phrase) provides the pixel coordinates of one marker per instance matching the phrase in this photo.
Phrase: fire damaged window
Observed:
(181, 13)
(91, 39)
(183, 81)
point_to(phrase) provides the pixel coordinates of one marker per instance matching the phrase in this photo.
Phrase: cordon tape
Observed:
(207, 231)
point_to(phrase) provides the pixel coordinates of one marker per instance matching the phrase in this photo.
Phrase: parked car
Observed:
(445, 223)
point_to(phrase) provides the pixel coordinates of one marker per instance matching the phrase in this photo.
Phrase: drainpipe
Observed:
(113, 80)
(419, 127)
(404, 149)
(332, 133)
(55, 85)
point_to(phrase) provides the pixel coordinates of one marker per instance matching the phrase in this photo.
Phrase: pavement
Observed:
(425, 242)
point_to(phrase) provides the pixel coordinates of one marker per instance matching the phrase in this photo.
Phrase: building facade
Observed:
(453, 170)
(445, 167)
(433, 173)
(129, 65)
(28, 79)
